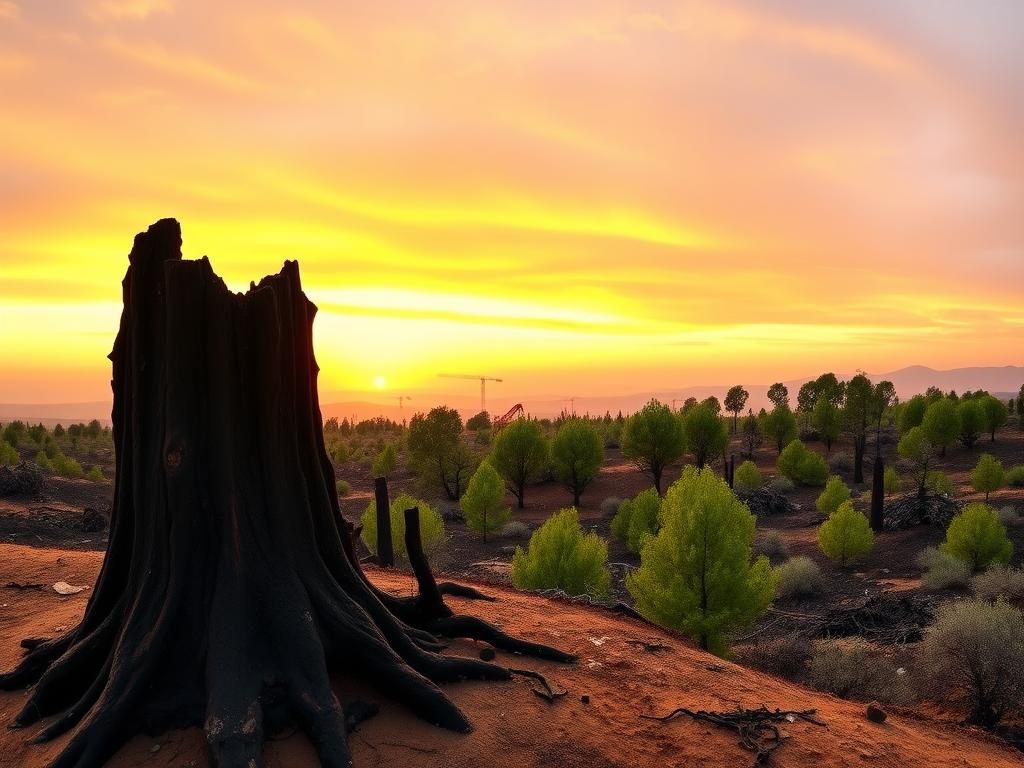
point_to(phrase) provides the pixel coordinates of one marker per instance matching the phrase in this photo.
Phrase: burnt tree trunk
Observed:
(230, 588)
(878, 495)
(385, 548)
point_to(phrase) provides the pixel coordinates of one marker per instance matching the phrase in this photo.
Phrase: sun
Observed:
(379, 382)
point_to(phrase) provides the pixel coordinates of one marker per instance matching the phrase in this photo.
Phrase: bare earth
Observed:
(513, 726)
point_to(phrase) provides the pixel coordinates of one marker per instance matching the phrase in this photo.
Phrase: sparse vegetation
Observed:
(988, 475)
(891, 481)
(8, 454)
(1000, 582)
(385, 462)
(748, 477)
(802, 465)
(431, 525)
(798, 577)
(771, 544)
(343, 487)
(846, 535)
(1015, 476)
(850, 668)
(835, 493)
(95, 474)
(942, 570)
(483, 503)
(977, 537)
(781, 485)
(561, 556)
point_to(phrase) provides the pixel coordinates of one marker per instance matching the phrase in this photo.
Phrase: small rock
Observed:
(875, 713)
(585, 698)
(155, 748)
(487, 654)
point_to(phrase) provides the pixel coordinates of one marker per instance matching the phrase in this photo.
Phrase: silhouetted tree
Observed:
(736, 401)
(857, 415)
(778, 394)
(653, 438)
(438, 451)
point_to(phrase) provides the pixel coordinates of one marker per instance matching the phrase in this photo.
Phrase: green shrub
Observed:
(1000, 582)
(977, 537)
(483, 503)
(784, 656)
(939, 482)
(577, 454)
(891, 481)
(610, 506)
(835, 493)
(44, 461)
(95, 474)
(942, 570)
(637, 518)
(798, 577)
(385, 462)
(748, 477)
(520, 455)
(343, 487)
(653, 438)
(801, 465)
(561, 556)
(976, 649)
(781, 485)
(772, 544)
(431, 525)
(1015, 476)
(696, 574)
(8, 454)
(65, 466)
(846, 535)
(987, 475)
(515, 529)
(851, 668)
(1008, 515)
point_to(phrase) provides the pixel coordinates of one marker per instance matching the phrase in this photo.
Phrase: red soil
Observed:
(514, 727)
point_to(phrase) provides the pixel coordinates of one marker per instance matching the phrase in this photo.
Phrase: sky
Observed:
(578, 197)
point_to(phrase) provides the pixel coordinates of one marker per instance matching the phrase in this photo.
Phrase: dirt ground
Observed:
(512, 725)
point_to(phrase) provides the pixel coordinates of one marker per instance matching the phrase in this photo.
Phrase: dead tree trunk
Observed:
(230, 588)
(385, 549)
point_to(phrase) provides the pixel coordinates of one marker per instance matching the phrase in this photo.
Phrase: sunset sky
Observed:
(586, 196)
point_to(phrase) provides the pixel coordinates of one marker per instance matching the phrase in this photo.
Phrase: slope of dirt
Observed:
(513, 726)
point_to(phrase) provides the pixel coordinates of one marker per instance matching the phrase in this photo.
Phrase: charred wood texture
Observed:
(230, 591)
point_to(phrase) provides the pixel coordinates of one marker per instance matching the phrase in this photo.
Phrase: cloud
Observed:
(131, 10)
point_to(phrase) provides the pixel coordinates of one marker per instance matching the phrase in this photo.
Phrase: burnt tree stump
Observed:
(230, 588)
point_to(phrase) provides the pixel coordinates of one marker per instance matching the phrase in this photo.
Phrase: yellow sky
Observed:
(602, 197)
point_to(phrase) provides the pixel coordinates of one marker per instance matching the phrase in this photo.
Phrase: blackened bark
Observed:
(385, 550)
(878, 495)
(230, 588)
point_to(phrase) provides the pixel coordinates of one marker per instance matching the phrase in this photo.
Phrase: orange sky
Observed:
(578, 196)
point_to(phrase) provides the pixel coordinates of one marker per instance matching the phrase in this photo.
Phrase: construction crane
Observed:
(483, 384)
(401, 406)
(502, 421)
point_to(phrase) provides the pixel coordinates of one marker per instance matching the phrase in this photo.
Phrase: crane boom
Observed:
(483, 384)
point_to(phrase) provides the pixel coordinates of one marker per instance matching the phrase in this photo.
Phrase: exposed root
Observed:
(546, 692)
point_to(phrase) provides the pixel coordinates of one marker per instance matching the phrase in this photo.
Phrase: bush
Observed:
(941, 570)
(801, 465)
(849, 667)
(483, 503)
(835, 493)
(772, 545)
(891, 481)
(781, 485)
(748, 477)
(385, 462)
(977, 537)
(610, 506)
(846, 535)
(939, 482)
(95, 474)
(431, 525)
(520, 455)
(637, 518)
(999, 582)
(785, 656)
(987, 475)
(515, 529)
(8, 454)
(65, 466)
(577, 454)
(343, 487)
(798, 577)
(696, 574)
(1008, 515)
(44, 461)
(976, 648)
(1015, 476)
(561, 556)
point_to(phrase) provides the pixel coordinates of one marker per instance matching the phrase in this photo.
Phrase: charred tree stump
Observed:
(878, 495)
(385, 547)
(230, 588)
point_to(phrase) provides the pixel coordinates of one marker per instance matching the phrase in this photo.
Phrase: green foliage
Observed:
(1000, 583)
(653, 438)
(798, 577)
(44, 461)
(437, 450)
(748, 477)
(753, 435)
(696, 574)
(95, 474)
(480, 421)
(736, 401)
(1015, 476)
(846, 535)
(520, 455)
(483, 503)
(941, 423)
(912, 413)
(995, 414)
(939, 482)
(577, 454)
(978, 537)
(916, 448)
(8, 454)
(431, 525)
(835, 493)
(828, 420)
(561, 556)
(706, 436)
(385, 462)
(988, 475)
(780, 426)
(802, 465)
(942, 570)
(343, 488)
(978, 648)
(778, 394)
(850, 667)
(772, 544)
(972, 422)
(637, 518)
(891, 481)
(14, 432)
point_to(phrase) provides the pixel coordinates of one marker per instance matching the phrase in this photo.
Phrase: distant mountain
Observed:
(1002, 381)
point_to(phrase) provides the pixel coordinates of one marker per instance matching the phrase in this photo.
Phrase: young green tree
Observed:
(385, 462)
(858, 414)
(836, 492)
(806, 400)
(978, 537)
(748, 477)
(8, 454)
(780, 426)
(916, 448)
(828, 420)
(480, 421)
(846, 535)
(736, 401)
(972, 422)
(438, 451)
(696, 574)
(995, 414)
(912, 413)
(941, 423)
(778, 394)
(561, 556)
(577, 453)
(483, 503)
(705, 434)
(520, 454)
(653, 438)
(637, 518)
(752, 434)
(891, 481)
(802, 465)
(431, 525)
(988, 475)
(883, 400)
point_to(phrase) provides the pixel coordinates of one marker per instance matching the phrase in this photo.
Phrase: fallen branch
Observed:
(547, 693)
(26, 585)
